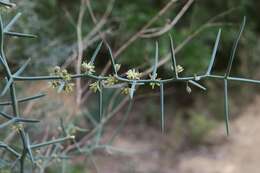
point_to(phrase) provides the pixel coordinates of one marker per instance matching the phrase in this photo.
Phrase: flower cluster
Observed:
(133, 74)
(179, 69)
(94, 87)
(88, 67)
(111, 80)
(188, 88)
(117, 67)
(125, 91)
(154, 84)
(64, 83)
(17, 127)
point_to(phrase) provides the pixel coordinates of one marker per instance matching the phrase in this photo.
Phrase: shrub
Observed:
(27, 151)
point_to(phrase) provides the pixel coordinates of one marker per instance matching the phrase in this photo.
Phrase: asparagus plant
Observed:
(16, 158)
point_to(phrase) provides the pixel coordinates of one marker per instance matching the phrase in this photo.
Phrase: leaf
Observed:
(37, 96)
(213, 56)
(96, 52)
(7, 86)
(6, 115)
(40, 95)
(3, 125)
(235, 45)
(2, 39)
(112, 59)
(29, 148)
(173, 57)
(226, 105)
(7, 4)
(132, 90)
(12, 22)
(55, 141)
(100, 100)
(162, 105)
(23, 120)
(197, 85)
(22, 68)
(154, 75)
(17, 34)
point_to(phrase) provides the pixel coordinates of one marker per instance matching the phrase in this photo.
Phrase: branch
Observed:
(168, 27)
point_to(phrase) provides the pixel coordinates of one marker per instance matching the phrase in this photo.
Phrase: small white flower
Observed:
(111, 80)
(154, 84)
(94, 87)
(64, 82)
(133, 74)
(125, 90)
(117, 66)
(188, 89)
(179, 69)
(88, 68)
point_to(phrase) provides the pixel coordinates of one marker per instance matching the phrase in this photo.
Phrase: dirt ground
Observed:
(150, 151)
(238, 153)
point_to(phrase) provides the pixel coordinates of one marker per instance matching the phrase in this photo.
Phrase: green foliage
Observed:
(57, 39)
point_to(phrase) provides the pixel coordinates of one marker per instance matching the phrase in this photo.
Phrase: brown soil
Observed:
(237, 153)
(146, 150)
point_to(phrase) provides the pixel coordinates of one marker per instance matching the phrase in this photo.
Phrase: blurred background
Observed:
(194, 140)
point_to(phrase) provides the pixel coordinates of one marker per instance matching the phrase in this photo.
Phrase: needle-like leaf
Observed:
(3, 125)
(8, 148)
(213, 56)
(93, 58)
(112, 59)
(7, 4)
(14, 120)
(235, 45)
(12, 22)
(29, 148)
(154, 74)
(6, 115)
(1, 38)
(7, 86)
(17, 34)
(23, 120)
(22, 68)
(197, 85)
(226, 105)
(174, 63)
(162, 105)
(35, 146)
(100, 101)
(132, 90)
(40, 95)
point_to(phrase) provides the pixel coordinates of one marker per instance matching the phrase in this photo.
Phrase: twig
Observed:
(169, 26)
